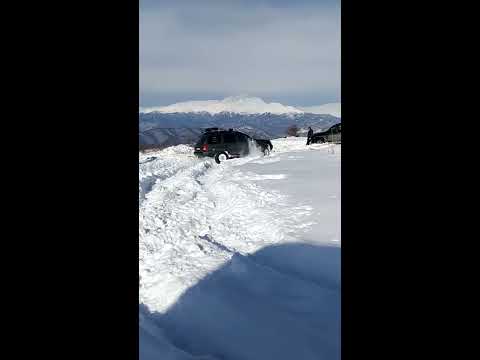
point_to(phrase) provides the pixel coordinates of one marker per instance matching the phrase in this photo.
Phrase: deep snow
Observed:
(240, 260)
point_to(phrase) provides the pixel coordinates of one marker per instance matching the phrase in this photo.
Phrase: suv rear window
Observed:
(334, 129)
(213, 139)
(201, 141)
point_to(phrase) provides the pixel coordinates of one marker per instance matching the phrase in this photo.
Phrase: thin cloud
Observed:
(277, 52)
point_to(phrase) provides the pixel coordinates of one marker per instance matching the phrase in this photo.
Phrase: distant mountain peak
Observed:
(242, 104)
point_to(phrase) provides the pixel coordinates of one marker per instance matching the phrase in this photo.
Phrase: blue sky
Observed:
(279, 50)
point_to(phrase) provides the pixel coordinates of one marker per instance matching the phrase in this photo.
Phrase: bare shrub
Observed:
(293, 130)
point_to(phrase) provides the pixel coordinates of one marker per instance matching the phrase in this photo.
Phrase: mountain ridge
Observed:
(241, 104)
(166, 129)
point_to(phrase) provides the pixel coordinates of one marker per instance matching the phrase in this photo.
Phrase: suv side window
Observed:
(213, 139)
(228, 138)
(202, 141)
(242, 138)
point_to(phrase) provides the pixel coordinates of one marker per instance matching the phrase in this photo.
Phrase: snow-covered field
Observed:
(240, 260)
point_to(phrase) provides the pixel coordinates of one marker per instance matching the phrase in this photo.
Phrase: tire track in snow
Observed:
(196, 219)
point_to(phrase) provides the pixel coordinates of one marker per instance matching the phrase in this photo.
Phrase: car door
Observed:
(242, 144)
(230, 143)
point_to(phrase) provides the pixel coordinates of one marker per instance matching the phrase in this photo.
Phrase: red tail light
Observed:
(205, 147)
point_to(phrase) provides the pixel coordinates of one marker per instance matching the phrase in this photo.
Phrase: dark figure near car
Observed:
(309, 135)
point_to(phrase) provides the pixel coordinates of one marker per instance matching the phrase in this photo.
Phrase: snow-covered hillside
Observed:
(240, 260)
(237, 104)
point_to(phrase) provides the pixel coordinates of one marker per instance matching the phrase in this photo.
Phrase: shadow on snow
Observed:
(282, 302)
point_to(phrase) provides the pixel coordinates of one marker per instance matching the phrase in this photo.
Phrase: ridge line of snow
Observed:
(233, 104)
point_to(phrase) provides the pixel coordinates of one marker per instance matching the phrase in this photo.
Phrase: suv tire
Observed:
(221, 156)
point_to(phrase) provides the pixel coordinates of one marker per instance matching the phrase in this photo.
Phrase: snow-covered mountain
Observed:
(241, 104)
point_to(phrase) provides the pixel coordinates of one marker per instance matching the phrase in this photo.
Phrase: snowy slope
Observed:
(184, 128)
(240, 260)
(332, 109)
(236, 104)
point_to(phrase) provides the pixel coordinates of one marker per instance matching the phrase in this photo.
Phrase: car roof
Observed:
(222, 131)
(335, 125)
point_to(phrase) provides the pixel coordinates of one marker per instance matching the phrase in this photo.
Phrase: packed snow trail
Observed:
(237, 223)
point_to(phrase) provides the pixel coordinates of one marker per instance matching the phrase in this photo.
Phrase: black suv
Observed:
(333, 134)
(226, 144)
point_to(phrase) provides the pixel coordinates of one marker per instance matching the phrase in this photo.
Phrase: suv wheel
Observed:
(221, 156)
(321, 140)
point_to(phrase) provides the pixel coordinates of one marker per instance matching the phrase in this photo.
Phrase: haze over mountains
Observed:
(331, 108)
(182, 123)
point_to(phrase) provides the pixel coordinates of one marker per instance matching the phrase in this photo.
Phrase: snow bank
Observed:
(293, 144)
(172, 150)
